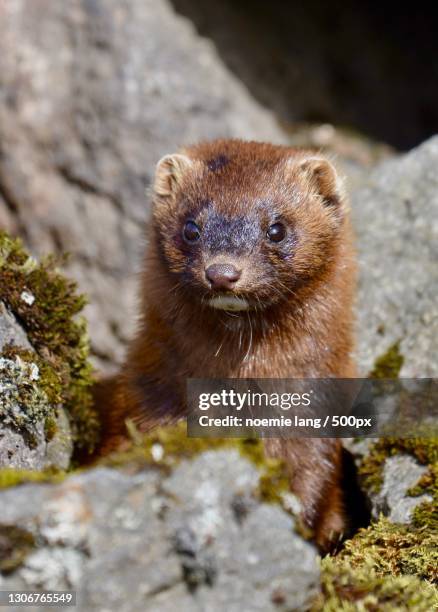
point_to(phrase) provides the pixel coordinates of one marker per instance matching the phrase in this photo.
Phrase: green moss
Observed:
(394, 549)
(15, 545)
(366, 589)
(50, 428)
(47, 306)
(384, 567)
(426, 514)
(172, 441)
(389, 364)
(10, 477)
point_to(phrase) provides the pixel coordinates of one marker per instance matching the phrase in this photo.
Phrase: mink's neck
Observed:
(214, 344)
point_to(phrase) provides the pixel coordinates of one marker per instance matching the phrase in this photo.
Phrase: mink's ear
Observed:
(169, 173)
(324, 179)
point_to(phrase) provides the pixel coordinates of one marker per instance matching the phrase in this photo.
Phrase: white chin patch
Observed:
(229, 302)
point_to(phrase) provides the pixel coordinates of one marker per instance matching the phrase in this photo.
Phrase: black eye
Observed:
(191, 232)
(276, 232)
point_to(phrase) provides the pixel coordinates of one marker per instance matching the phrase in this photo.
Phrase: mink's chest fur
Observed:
(249, 272)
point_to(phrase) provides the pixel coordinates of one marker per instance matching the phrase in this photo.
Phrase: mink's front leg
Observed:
(315, 467)
(111, 403)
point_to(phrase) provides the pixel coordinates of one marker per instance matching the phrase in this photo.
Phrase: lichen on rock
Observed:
(22, 402)
(425, 452)
(44, 351)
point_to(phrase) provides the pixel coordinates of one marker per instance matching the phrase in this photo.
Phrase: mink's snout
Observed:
(222, 276)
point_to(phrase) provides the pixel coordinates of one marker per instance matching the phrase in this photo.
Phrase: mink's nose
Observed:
(222, 275)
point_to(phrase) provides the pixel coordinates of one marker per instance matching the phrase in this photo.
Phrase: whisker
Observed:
(250, 339)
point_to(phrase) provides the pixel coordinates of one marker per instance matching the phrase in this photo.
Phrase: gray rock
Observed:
(161, 543)
(18, 452)
(358, 447)
(92, 95)
(59, 449)
(10, 331)
(396, 219)
(400, 473)
(24, 408)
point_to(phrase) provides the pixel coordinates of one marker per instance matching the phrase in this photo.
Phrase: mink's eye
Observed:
(276, 232)
(191, 232)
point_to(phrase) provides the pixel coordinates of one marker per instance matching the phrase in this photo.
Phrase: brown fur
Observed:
(300, 323)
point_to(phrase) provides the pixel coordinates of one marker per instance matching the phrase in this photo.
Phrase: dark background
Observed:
(371, 67)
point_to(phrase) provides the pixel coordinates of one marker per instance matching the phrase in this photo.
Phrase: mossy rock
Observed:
(389, 566)
(46, 377)
(384, 567)
(164, 447)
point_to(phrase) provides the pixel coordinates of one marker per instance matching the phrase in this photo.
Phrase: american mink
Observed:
(249, 272)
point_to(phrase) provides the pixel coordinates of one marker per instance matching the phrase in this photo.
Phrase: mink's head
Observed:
(241, 225)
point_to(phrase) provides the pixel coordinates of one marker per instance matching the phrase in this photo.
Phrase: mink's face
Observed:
(242, 233)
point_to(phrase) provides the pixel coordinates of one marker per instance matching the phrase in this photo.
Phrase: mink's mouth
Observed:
(231, 303)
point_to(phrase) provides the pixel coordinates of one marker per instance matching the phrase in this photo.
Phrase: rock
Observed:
(151, 541)
(396, 219)
(359, 448)
(92, 95)
(25, 408)
(10, 330)
(18, 451)
(397, 474)
(400, 473)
